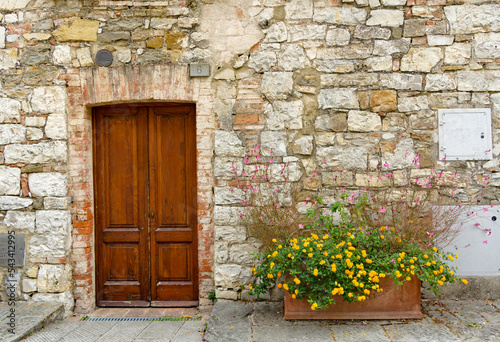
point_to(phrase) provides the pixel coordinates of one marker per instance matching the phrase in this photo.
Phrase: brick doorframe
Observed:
(132, 83)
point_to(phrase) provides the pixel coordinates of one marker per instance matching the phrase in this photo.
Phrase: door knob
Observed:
(152, 214)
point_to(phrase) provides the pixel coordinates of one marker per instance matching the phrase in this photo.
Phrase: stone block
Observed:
(112, 37)
(56, 127)
(66, 298)
(29, 285)
(457, 54)
(54, 278)
(33, 133)
(421, 59)
(35, 56)
(230, 233)
(290, 172)
(10, 5)
(224, 294)
(336, 122)
(227, 166)
(343, 178)
(345, 157)
(84, 57)
(227, 216)
(401, 81)
(340, 15)
(299, 9)
(243, 253)
(413, 104)
(123, 55)
(262, 61)
(283, 114)
(56, 203)
(337, 66)
(35, 121)
(8, 58)
(12, 133)
(379, 63)
(154, 43)
(9, 110)
(20, 220)
(124, 24)
(277, 85)
(231, 276)
(61, 55)
(13, 203)
(228, 144)
(363, 121)
(439, 39)
(383, 101)
(482, 80)
(487, 45)
(338, 36)
(391, 47)
(10, 180)
(394, 122)
(439, 82)
(465, 19)
(276, 33)
(224, 195)
(273, 143)
(338, 98)
(76, 30)
(371, 32)
(225, 74)
(398, 154)
(303, 145)
(351, 80)
(306, 32)
(393, 3)
(52, 236)
(176, 41)
(372, 180)
(292, 58)
(385, 17)
(160, 23)
(353, 51)
(48, 100)
(48, 184)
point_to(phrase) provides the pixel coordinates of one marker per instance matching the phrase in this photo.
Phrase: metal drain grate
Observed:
(138, 319)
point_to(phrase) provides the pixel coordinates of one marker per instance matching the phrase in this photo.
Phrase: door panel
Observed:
(173, 198)
(145, 198)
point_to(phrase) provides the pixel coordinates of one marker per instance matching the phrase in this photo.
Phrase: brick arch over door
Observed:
(140, 83)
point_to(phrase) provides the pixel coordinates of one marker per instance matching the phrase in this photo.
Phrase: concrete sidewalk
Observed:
(443, 321)
(230, 321)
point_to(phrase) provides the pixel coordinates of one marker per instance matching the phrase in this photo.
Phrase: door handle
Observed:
(152, 214)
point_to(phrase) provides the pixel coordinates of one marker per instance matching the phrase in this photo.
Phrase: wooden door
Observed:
(145, 205)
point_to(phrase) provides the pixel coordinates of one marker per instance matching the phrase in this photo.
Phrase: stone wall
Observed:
(352, 82)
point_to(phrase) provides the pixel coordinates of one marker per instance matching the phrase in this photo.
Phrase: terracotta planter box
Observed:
(395, 302)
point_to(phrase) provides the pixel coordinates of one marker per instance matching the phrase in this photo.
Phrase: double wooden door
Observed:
(145, 205)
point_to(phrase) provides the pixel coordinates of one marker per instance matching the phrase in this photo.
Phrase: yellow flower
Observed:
(270, 276)
(440, 282)
(382, 228)
(274, 240)
(382, 237)
(315, 272)
(412, 261)
(427, 263)
(297, 281)
(296, 291)
(451, 257)
(280, 285)
(325, 253)
(279, 274)
(285, 286)
(289, 255)
(434, 249)
(426, 256)
(322, 262)
(350, 294)
(465, 281)
(275, 253)
(366, 291)
(280, 246)
(272, 265)
(408, 278)
(314, 306)
(250, 286)
(334, 268)
(310, 255)
(294, 296)
(368, 261)
(325, 237)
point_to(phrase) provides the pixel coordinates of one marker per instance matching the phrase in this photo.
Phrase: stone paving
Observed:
(443, 321)
(26, 318)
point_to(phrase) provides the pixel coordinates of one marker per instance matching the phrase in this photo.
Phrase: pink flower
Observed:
(476, 224)
(271, 160)
(485, 210)
(240, 213)
(485, 242)
(278, 206)
(382, 210)
(308, 198)
(308, 180)
(429, 243)
(301, 226)
(315, 173)
(324, 161)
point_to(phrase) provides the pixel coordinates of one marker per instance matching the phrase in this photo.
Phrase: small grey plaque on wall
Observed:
(465, 134)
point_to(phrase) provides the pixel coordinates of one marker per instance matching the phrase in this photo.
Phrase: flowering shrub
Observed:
(366, 235)
(348, 260)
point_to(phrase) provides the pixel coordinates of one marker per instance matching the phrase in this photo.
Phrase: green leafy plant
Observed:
(212, 296)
